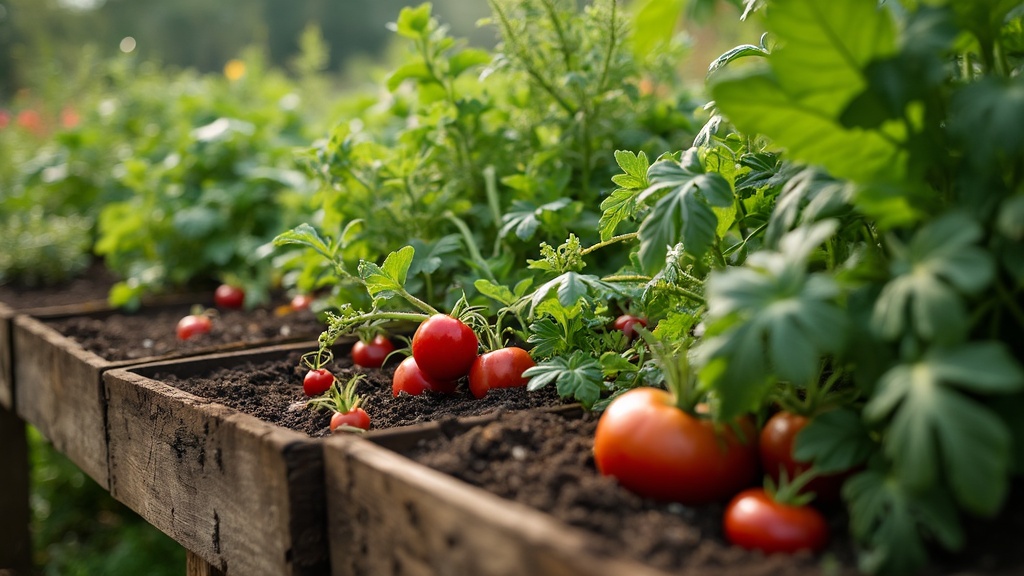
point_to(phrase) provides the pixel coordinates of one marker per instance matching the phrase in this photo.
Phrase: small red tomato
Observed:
(357, 418)
(659, 451)
(193, 325)
(444, 347)
(316, 382)
(372, 354)
(755, 521)
(501, 368)
(627, 323)
(410, 379)
(301, 302)
(776, 447)
(228, 296)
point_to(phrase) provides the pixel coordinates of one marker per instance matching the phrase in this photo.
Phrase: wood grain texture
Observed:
(15, 540)
(196, 566)
(245, 496)
(6, 368)
(390, 516)
(58, 390)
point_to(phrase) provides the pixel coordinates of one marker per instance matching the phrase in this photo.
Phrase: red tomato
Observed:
(776, 447)
(626, 324)
(316, 382)
(301, 301)
(357, 418)
(499, 369)
(661, 452)
(372, 354)
(444, 347)
(193, 325)
(410, 379)
(755, 521)
(228, 296)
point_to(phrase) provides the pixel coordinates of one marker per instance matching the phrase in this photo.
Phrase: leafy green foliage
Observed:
(577, 376)
(40, 251)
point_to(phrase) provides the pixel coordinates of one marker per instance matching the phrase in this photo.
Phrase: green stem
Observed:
(692, 296)
(474, 250)
(430, 310)
(491, 187)
(626, 278)
(716, 251)
(612, 43)
(562, 40)
(609, 242)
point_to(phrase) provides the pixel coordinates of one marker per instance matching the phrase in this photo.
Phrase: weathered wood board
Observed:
(15, 540)
(390, 516)
(6, 369)
(241, 494)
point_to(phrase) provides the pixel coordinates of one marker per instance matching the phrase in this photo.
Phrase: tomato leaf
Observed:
(570, 288)
(834, 441)
(524, 218)
(429, 257)
(386, 280)
(684, 212)
(658, 20)
(621, 204)
(922, 297)
(936, 432)
(467, 59)
(579, 376)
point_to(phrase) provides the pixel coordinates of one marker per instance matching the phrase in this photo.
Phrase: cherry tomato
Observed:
(228, 296)
(626, 324)
(301, 302)
(755, 521)
(444, 347)
(410, 379)
(316, 382)
(659, 451)
(776, 447)
(372, 354)
(193, 325)
(357, 418)
(501, 368)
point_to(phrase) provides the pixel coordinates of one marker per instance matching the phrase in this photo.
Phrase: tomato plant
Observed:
(354, 418)
(444, 347)
(776, 446)
(196, 323)
(348, 415)
(756, 520)
(660, 451)
(372, 353)
(410, 379)
(228, 296)
(626, 323)
(502, 368)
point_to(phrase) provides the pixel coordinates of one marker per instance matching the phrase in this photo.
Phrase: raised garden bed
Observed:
(61, 354)
(188, 452)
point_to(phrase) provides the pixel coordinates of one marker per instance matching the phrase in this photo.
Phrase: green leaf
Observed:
(429, 257)
(524, 218)
(570, 288)
(197, 221)
(467, 59)
(621, 204)
(685, 212)
(579, 376)
(500, 294)
(736, 53)
(922, 296)
(834, 441)
(657, 19)
(388, 279)
(414, 22)
(411, 71)
(306, 235)
(936, 432)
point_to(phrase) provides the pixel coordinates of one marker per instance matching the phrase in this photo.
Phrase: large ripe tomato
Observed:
(228, 296)
(501, 368)
(193, 325)
(659, 451)
(755, 521)
(372, 354)
(444, 347)
(776, 447)
(316, 382)
(410, 379)
(627, 324)
(356, 418)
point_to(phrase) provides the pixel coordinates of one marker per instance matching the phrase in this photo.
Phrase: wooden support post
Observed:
(15, 541)
(196, 566)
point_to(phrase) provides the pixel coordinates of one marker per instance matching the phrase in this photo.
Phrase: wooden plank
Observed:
(15, 540)
(6, 369)
(390, 516)
(58, 390)
(196, 566)
(243, 495)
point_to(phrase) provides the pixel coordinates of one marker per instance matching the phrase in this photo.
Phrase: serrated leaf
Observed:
(304, 235)
(429, 257)
(742, 51)
(500, 294)
(634, 165)
(570, 288)
(835, 441)
(579, 376)
(387, 279)
(618, 206)
(524, 218)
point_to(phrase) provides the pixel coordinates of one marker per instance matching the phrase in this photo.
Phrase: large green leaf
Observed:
(936, 432)
(388, 279)
(819, 68)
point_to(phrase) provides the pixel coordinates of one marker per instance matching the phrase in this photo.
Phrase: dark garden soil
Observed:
(152, 331)
(93, 285)
(272, 391)
(545, 461)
